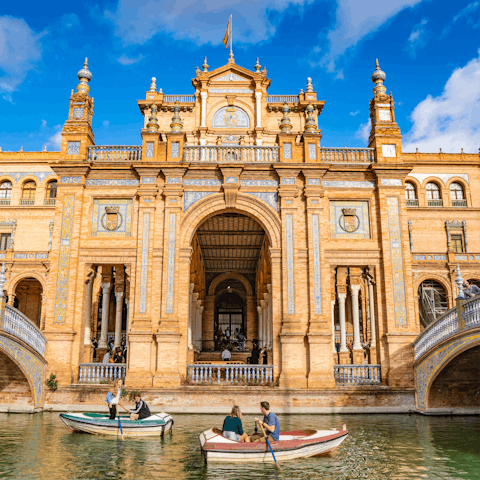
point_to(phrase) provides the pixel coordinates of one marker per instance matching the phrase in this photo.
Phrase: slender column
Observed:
(263, 303)
(118, 319)
(356, 317)
(127, 302)
(371, 302)
(88, 311)
(332, 303)
(190, 316)
(204, 96)
(260, 321)
(199, 327)
(11, 299)
(258, 106)
(343, 331)
(105, 305)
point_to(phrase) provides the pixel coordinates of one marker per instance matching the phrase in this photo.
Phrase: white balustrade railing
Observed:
(231, 373)
(179, 98)
(283, 99)
(357, 374)
(20, 326)
(347, 155)
(447, 325)
(97, 372)
(114, 153)
(244, 154)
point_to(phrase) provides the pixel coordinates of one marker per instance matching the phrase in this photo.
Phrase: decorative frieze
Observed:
(19, 175)
(391, 182)
(117, 182)
(314, 181)
(259, 183)
(349, 184)
(78, 112)
(75, 179)
(288, 181)
(200, 182)
(174, 179)
(148, 180)
(268, 197)
(190, 198)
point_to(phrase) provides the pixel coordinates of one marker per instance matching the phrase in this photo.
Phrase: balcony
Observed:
(459, 203)
(347, 155)
(435, 203)
(357, 374)
(179, 98)
(49, 202)
(230, 373)
(114, 153)
(412, 203)
(283, 99)
(5, 201)
(101, 372)
(233, 154)
(27, 201)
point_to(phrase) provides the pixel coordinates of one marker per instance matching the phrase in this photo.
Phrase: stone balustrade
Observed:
(244, 154)
(179, 98)
(230, 373)
(283, 99)
(17, 324)
(448, 325)
(97, 372)
(114, 153)
(347, 155)
(357, 374)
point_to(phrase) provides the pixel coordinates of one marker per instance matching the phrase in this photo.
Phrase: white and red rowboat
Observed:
(295, 444)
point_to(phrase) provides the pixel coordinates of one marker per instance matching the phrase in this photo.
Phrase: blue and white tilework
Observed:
(317, 283)
(389, 151)
(200, 182)
(268, 197)
(175, 149)
(19, 175)
(3, 255)
(290, 266)
(60, 313)
(230, 90)
(190, 198)
(312, 151)
(231, 179)
(391, 182)
(288, 181)
(20, 255)
(124, 220)
(144, 263)
(348, 184)
(103, 182)
(313, 181)
(149, 150)
(396, 260)
(361, 210)
(73, 148)
(71, 179)
(172, 234)
(287, 151)
(174, 179)
(78, 112)
(419, 257)
(231, 117)
(41, 255)
(230, 77)
(148, 180)
(259, 183)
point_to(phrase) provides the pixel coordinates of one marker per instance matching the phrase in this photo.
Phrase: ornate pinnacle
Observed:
(310, 124)
(378, 77)
(152, 125)
(205, 65)
(257, 66)
(309, 85)
(459, 281)
(177, 123)
(84, 75)
(285, 124)
(153, 85)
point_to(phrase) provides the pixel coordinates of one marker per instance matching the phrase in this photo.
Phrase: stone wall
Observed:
(14, 388)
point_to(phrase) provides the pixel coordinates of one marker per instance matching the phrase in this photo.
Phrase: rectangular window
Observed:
(5, 241)
(457, 243)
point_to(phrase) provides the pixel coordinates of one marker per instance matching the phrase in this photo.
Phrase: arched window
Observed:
(28, 193)
(410, 191)
(433, 195)
(52, 189)
(456, 191)
(5, 193)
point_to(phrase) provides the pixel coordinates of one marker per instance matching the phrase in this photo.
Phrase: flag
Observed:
(227, 35)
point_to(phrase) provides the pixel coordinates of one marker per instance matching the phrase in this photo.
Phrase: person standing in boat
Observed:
(232, 426)
(141, 409)
(270, 423)
(113, 397)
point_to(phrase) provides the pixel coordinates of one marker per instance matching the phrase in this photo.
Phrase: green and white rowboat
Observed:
(100, 424)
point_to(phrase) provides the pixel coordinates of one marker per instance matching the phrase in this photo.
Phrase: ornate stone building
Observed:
(232, 215)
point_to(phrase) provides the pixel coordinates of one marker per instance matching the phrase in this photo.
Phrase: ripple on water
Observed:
(379, 447)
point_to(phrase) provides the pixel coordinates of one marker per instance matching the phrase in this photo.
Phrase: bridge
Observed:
(23, 345)
(447, 360)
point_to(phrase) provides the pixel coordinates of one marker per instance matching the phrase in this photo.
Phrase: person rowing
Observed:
(270, 423)
(141, 409)
(113, 397)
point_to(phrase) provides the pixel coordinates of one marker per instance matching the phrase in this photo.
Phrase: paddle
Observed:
(270, 447)
(121, 429)
(123, 407)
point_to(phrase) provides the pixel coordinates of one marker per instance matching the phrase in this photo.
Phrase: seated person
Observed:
(270, 423)
(141, 409)
(226, 355)
(232, 426)
(106, 357)
(118, 357)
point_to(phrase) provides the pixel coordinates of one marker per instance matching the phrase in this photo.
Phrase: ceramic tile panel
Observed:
(362, 221)
(105, 224)
(144, 262)
(317, 284)
(290, 265)
(172, 234)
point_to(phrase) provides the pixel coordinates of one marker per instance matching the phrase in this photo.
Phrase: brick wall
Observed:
(14, 387)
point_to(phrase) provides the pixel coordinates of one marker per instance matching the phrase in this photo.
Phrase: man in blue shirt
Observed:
(270, 423)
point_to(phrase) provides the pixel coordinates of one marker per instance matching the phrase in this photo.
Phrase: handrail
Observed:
(347, 155)
(233, 373)
(19, 325)
(179, 98)
(357, 374)
(97, 372)
(219, 153)
(283, 99)
(114, 153)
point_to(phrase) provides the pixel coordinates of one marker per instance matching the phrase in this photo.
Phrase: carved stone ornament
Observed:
(349, 221)
(112, 219)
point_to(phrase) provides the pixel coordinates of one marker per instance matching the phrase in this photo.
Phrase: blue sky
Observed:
(429, 49)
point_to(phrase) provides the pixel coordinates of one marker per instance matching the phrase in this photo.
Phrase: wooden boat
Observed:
(98, 423)
(294, 444)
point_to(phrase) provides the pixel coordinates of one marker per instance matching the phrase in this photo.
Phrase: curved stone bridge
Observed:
(24, 344)
(447, 353)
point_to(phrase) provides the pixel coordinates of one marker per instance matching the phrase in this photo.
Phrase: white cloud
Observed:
(44, 123)
(19, 52)
(464, 12)
(450, 121)
(353, 114)
(355, 20)
(55, 140)
(125, 60)
(203, 21)
(69, 21)
(418, 38)
(363, 131)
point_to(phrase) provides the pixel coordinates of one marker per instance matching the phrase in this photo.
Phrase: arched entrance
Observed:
(14, 386)
(28, 299)
(432, 301)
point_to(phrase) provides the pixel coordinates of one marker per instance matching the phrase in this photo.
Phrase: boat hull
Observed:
(155, 425)
(290, 447)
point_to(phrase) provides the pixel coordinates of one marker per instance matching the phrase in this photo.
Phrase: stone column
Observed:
(263, 303)
(127, 303)
(260, 322)
(332, 303)
(105, 305)
(358, 356)
(204, 96)
(190, 316)
(199, 327)
(251, 331)
(118, 319)
(373, 326)
(88, 312)
(258, 108)
(11, 299)
(344, 354)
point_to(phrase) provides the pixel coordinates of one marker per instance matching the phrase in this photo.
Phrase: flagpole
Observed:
(231, 35)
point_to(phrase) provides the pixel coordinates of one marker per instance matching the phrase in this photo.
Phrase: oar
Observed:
(270, 447)
(123, 407)
(121, 429)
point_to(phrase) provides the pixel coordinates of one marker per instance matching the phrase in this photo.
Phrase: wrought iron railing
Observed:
(412, 203)
(20, 326)
(240, 374)
(459, 203)
(283, 99)
(347, 155)
(243, 154)
(179, 98)
(98, 372)
(114, 153)
(435, 203)
(357, 374)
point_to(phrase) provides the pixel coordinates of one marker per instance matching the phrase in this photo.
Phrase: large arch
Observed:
(227, 276)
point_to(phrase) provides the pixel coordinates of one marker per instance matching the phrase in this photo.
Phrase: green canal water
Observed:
(378, 447)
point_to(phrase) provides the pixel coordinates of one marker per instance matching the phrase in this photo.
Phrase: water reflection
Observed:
(379, 447)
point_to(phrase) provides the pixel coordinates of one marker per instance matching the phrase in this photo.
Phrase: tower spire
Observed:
(378, 77)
